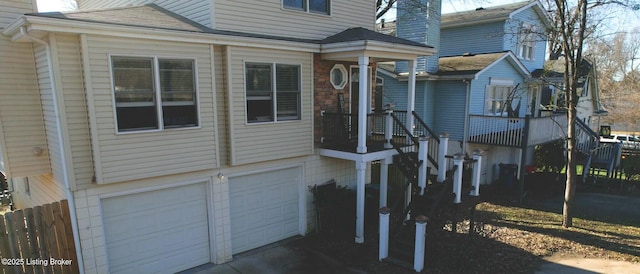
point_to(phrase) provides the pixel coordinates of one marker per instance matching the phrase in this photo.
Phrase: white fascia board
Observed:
(406, 52)
(513, 60)
(69, 26)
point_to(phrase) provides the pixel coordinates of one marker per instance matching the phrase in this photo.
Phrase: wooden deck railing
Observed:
(505, 131)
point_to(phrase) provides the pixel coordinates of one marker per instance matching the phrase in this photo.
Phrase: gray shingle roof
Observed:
(467, 64)
(359, 34)
(494, 13)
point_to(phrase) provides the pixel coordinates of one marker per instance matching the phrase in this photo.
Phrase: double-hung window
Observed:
(496, 99)
(154, 93)
(272, 92)
(526, 42)
(313, 6)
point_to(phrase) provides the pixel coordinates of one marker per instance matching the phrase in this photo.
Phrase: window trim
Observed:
(345, 76)
(157, 93)
(274, 91)
(494, 83)
(525, 38)
(307, 10)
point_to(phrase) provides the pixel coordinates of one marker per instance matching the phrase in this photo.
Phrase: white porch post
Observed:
(360, 173)
(363, 63)
(384, 180)
(458, 161)
(383, 251)
(411, 94)
(477, 166)
(422, 170)
(420, 239)
(442, 152)
(388, 129)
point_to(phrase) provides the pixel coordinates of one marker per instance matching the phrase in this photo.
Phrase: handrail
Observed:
(404, 129)
(424, 125)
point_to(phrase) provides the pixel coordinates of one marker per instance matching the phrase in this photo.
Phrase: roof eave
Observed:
(36, 23)
(377, 49)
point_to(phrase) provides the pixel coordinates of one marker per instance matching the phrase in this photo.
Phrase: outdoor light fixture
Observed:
(220, 175)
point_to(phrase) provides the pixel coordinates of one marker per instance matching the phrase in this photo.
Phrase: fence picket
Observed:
(23, 240)
(50, 235)
(67, 230)
(34, 251)
(14, 250)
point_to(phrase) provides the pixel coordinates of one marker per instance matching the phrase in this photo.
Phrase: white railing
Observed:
(546, 129)
(496, 130)
(505, 131)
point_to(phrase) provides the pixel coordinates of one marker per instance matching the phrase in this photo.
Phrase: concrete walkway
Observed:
(566, 264)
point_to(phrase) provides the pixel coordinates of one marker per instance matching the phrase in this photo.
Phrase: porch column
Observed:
(423, 150)
(363, 63)
(442, 152)
(360, 177)
(411, 94)
(458, 161)
(384, 180)
(477, 166)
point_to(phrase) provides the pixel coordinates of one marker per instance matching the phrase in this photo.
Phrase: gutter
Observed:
(63, 157)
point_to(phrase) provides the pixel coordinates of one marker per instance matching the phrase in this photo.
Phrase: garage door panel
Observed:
(162, 231)
(262, 207)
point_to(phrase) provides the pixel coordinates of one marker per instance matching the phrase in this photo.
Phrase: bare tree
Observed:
(570, 31)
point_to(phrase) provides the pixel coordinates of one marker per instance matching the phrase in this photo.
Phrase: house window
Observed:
(272, 87)
(338, 76)
(526, 42)
(496, 99)
(154, 93)
(313, 6)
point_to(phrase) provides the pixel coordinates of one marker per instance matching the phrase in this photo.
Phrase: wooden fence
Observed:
(38, 240)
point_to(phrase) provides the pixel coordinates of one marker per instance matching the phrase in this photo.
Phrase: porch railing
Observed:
(340, 130)
(505, 131)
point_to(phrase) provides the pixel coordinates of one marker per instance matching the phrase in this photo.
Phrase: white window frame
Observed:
(526, 42)
(345, 77)
(274, 93)
(306, 7)
(504, 86)
(157, 93)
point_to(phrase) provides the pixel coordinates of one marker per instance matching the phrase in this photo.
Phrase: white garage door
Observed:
(264, 208)
(160, 231)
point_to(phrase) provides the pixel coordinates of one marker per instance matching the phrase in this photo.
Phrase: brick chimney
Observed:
(419, 21)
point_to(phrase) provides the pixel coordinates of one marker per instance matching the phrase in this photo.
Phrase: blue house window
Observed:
(312, 6)
(526, 42)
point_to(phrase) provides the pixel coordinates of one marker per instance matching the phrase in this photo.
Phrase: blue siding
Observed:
(395, 92)
(421, 26)
(502, 70)
(512, 27)
(449, 111)
(475, 39)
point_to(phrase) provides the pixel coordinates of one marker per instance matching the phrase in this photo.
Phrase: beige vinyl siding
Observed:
(252, 143)
(268, 17)
(138, 155)
(196, 10)
(21, 124)
(43, 189)
(68, 60)
(222, 98)
(48, 111)
(12, 9)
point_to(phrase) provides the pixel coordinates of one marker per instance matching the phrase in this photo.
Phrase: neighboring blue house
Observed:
(478, 88)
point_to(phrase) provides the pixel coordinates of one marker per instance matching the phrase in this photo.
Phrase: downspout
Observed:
(63, 156)
(465, 136)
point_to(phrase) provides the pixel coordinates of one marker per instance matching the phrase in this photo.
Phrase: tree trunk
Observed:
(570, 187)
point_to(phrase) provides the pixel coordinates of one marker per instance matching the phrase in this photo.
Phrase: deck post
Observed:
(363, 63)
(423, 150)
(477, 166)
(442, 152)
(523, 155)
(383, 252)
(384, 179)
(360, 172)
(421, 233)
(388, 129)
(411, 96)
(458, 162)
